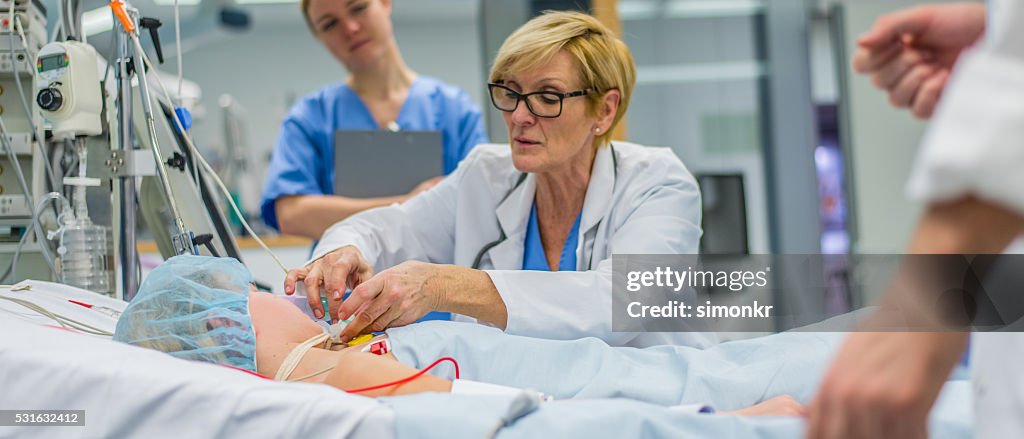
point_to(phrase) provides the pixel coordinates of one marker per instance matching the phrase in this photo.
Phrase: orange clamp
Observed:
(119, 11)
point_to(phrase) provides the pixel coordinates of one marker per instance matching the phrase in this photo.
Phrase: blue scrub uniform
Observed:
(533, 249)
(303, 160)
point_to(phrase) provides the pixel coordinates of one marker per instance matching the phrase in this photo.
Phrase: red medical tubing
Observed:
(411, 377)
(244, 371)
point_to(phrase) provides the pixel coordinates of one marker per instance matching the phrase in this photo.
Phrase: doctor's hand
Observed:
(337, 271)
(882, 385)
(397, 296)
(910, 53)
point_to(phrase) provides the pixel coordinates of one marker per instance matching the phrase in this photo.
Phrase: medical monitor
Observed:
(724, 218)
(384, 163)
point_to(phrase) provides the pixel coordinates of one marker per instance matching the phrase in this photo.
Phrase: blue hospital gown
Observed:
(303, 160)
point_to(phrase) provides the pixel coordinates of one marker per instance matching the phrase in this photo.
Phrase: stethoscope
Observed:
(522, 177)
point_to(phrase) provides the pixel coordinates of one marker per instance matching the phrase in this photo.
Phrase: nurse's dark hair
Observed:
(604, 61)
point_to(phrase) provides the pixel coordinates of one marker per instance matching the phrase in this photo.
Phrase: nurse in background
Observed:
(381, 92)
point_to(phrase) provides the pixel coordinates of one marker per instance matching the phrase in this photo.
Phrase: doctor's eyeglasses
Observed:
(547, 104)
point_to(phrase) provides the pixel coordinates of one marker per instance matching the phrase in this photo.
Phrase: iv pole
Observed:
(127, 252)
(129, 61)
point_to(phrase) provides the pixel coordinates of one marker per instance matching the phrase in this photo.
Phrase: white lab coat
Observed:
(642, 201)
(975, 146)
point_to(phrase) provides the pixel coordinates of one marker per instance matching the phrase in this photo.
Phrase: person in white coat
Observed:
(969, 171)
(520, 236)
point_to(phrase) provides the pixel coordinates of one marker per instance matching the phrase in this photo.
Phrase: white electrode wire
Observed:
(209, 169)
(63, 321)
(39, 139)
(177, 48)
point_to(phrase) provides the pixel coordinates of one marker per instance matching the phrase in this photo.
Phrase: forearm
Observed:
(358, 370)
(469, 292)
(966, 226)
(311, 215)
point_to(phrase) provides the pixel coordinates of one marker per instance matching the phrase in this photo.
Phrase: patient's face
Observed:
(274, 314)
(279, 325)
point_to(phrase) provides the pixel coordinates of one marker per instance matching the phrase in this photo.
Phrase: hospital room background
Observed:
(797, 157)
(795, 154)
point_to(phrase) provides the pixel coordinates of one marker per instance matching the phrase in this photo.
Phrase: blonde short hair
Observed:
(605, 62)
(304, 4)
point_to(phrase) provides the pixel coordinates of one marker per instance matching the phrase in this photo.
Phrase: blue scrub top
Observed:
(303, 160)
(533, 249)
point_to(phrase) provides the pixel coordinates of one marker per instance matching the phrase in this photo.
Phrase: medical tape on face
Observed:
(295, 356)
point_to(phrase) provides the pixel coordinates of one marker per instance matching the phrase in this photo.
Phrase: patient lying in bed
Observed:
(206, 309)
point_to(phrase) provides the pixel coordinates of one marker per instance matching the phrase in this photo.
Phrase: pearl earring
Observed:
(597, 130)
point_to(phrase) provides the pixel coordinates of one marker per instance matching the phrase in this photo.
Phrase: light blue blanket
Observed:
(624, 392)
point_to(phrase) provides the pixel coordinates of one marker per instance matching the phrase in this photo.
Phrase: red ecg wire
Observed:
(80, 303)
(411, 377)
(244, 371)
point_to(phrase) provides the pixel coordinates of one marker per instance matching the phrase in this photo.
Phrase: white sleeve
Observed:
(468, 387)
(665, 219)
(422, 228)
(975, 143)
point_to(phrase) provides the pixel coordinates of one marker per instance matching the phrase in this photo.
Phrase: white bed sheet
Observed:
(55, 298)
(133, 392)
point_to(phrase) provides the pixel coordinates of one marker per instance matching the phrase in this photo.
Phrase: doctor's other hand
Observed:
(783, 405)
(337, 271)
(397, 296)
(910, 53)
(883, 384)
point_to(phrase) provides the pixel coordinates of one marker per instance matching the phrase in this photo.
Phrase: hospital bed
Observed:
(132, 392)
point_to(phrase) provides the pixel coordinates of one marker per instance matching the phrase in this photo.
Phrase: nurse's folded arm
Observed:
(310, 215)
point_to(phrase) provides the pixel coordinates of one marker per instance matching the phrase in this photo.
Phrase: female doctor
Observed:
(520, 236)
(380, 92)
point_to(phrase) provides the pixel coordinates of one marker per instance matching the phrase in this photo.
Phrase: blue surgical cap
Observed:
(196, 308)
